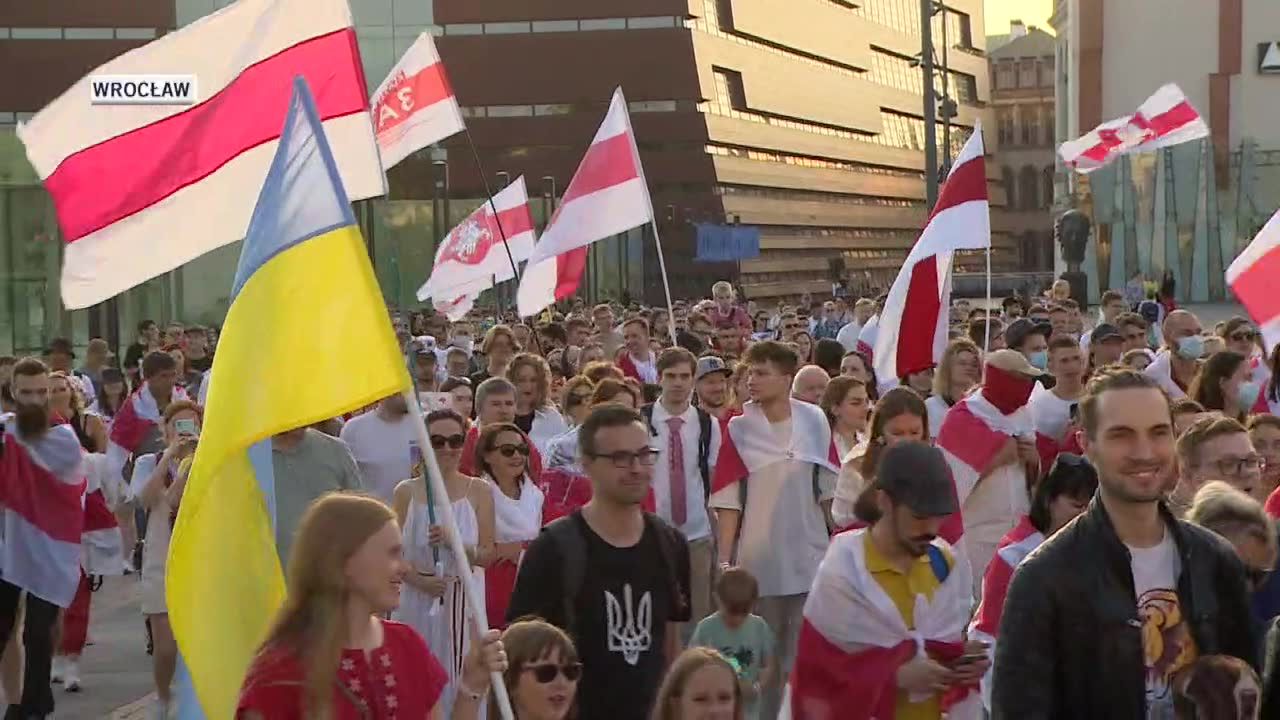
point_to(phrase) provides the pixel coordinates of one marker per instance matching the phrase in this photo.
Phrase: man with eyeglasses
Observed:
(1217, 448)
(613, 576)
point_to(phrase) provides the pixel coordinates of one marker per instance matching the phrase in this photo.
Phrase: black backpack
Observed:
(572, 547)
(704, 444)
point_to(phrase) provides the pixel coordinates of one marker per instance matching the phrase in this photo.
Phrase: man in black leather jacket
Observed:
(1101, 616)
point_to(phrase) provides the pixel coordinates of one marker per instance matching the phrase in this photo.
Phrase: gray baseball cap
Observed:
(916, 475)
(710, 364)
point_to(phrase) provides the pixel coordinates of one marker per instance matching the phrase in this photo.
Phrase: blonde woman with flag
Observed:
(329, 654)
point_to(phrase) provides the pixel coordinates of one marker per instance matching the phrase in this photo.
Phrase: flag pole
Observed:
(653, 222)
(435, 481)
(986, 336)
(484, 182)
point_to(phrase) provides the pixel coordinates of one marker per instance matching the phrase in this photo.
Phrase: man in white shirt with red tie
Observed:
(682, 474)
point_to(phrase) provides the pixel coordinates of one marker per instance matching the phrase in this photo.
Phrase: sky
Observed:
(1031, 12)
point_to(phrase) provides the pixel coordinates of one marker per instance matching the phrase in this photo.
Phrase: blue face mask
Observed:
(1247, 395)
(1039, 359)
(1190, 348)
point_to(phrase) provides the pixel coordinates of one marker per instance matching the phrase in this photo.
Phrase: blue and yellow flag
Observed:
(307, 338)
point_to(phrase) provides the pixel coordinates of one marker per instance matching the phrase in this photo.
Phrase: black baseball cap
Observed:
(1019, 329)
(916, 475)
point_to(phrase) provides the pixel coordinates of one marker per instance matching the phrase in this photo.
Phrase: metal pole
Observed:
(948, 106)
(930, 105)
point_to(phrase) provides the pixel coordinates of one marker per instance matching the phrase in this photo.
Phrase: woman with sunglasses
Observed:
(1239, 335)
(542, 671)
(432, 600)
(502, 456)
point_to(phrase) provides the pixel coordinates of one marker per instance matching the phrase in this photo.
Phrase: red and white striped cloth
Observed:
(142, 189)
(415, 106)
(995, 585)
(471, 257)
(1164, 120)
(915, 314)
(136, 419)
(1252, 278)
(853, 639)
(42, 486)
(103, 546)
(973, 433)
(606, 196)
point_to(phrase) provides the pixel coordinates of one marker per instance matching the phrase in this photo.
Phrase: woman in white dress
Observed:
(157, 485)
(502, 455)
(432, 600)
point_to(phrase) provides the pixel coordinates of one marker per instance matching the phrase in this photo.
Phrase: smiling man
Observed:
(1153, 592)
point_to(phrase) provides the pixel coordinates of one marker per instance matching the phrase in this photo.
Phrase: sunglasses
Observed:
(1256, 577)
(546, 672)
(509, 450)
(455, 442)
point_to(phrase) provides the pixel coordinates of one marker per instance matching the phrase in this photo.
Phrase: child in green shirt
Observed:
(740, 635)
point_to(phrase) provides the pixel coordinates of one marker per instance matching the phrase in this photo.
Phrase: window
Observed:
(1046, 201)
(1010, 192)
(1006, 75)
(1030, 126)
(1004, 125)
(1046, 71)
(1029, 188)
(1027, 75)
(1049, 120)
(729, 92)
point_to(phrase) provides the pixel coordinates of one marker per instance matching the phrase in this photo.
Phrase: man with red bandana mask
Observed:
(988, 439)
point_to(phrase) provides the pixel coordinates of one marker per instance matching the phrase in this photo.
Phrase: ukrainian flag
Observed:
(307, 338)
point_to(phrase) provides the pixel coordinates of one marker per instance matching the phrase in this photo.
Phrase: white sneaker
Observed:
(56, 670)
(71, 674)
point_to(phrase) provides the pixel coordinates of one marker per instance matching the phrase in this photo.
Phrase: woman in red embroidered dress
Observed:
(329, 655)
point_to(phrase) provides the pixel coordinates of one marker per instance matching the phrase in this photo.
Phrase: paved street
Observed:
(116, 670)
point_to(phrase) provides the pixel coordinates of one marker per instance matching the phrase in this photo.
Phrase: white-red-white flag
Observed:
(1252, 277)
(415, 106)
(471, 255)
(1013, 549)
(1164, 120)
(606, 196)
(913, 324)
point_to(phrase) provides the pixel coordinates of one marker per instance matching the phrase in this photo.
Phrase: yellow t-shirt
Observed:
(903, 588)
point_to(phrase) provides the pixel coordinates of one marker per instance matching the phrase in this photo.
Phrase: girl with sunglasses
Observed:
(542, 671)
(502, 456)
(432, 600)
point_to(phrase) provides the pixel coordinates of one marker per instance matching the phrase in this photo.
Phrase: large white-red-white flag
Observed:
(415, 106)
(1252, 277)
(1013, 549)
(606, 196)
(913, 324)
(471, 256)
(142, 189)
(1164, 120)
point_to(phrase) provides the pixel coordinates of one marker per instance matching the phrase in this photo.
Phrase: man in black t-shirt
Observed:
(616, 578)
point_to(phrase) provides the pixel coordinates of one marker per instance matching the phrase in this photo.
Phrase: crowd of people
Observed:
(714, 512)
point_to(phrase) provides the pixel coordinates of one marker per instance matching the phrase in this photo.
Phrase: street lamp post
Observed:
(930, 105)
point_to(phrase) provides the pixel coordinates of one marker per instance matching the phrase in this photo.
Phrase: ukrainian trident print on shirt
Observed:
(630, 625)
(1167, 648)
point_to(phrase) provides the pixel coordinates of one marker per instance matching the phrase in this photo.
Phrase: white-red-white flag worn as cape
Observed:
(1252, 277)
(471, 255)
(1013, 548)
(913, 325)
(853, 639)
(606, 196)
(142, 189)
(415, 106)
(42, 495)
(1164, 120)
(103, 546)
(139, 417)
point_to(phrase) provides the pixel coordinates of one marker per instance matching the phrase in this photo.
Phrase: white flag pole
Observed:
(986, 336)
(653, 222)
(465, 576)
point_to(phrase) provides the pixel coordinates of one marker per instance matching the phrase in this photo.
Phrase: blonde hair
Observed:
(73, 387)
(312, 623)
(666, 705)
(1232, 514)
(942, 378)
(542, 375)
